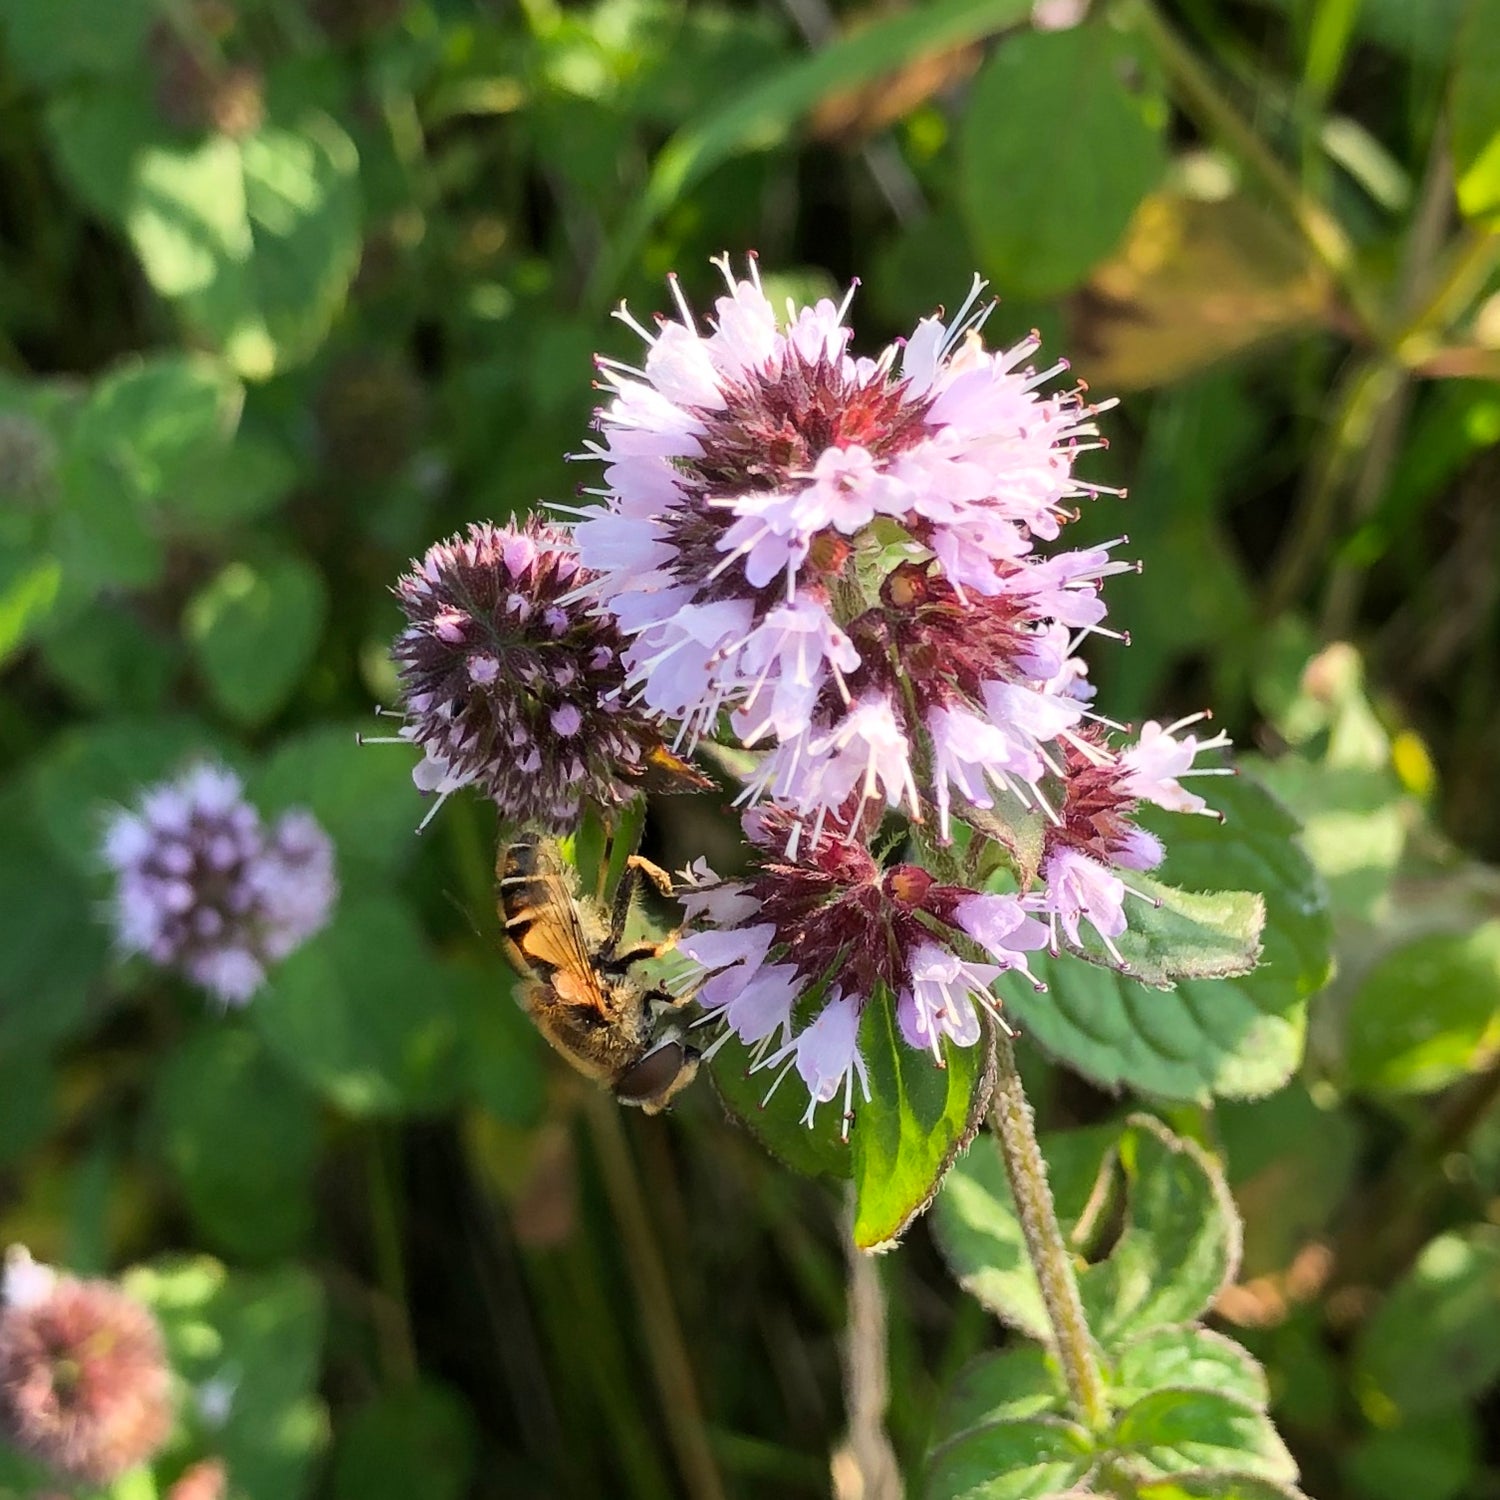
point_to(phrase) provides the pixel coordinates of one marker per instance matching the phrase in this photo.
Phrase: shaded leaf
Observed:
(1044, 206)
(51, 43)
(1429, 1458)
(419, 1440)
(362, 795)
(254, 629)
(1435, 1340)
(360, 1012)
(240, 1137)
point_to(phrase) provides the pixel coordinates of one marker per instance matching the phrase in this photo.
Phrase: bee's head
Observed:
(660, 1075)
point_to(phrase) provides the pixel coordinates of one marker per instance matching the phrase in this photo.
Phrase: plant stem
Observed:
(865, 1465)
(392, 1318)
(665, 1345)
(1015, 1128)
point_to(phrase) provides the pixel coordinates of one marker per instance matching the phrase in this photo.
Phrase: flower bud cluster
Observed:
(510, 684)
(203, 888)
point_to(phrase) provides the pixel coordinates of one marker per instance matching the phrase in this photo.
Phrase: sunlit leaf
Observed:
(1427, 1013)
(1196, 279)
(248, 1349)
(1474, 110)
(256, 240)
(1044, 205)
(1174, 1431)
(1187, 1357)
(1180, 1244)
(1231, 1037)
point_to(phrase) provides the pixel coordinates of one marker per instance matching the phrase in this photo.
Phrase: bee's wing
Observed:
(555, 936)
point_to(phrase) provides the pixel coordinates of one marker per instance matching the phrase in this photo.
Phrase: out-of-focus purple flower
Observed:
(829, 921)
(511, 685)
(761, 481)
(85, 1387)
(203, 888)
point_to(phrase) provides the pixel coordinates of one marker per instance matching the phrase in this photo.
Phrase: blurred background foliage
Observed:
(290, 288)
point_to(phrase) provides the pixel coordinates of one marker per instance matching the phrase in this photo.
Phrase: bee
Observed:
(576, 985)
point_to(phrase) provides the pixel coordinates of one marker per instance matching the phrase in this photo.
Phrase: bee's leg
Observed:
(616, 958)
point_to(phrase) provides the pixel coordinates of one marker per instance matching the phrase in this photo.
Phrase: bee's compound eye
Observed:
(659, 1075)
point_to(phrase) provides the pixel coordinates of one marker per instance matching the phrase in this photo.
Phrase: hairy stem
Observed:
(1015, 1128)
(865, 1465)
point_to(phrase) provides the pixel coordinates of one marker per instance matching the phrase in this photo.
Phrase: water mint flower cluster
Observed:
(203, 888)
(512, 685)
(852, 567)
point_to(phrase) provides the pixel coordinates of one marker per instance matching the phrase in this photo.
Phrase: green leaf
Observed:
(1178, 1249)
(1044, 205)
(52, 43)
(1212, 1485)
(110, 659)
(256, 240)
(1435, 1341)
(1474, 112)
(419, 1440)
(1427, 1013)
(1354, 828)
(249, 1348)
(1432, 1458)
(1189, 934)
(1231, 1037)
(1187, 1357)
(134, 440)
(504, 1057)
(817, 1149)
(240, 1137)
(28, 590)
(1019, 1460)
(762, 115)
(53, 942)
(918, 1119)
(362, 794)
(254, 629)
(360, 1012)
(1010, 1386)
(87, 773)
(1178, 1431)
(240, 483)
(153, 418)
